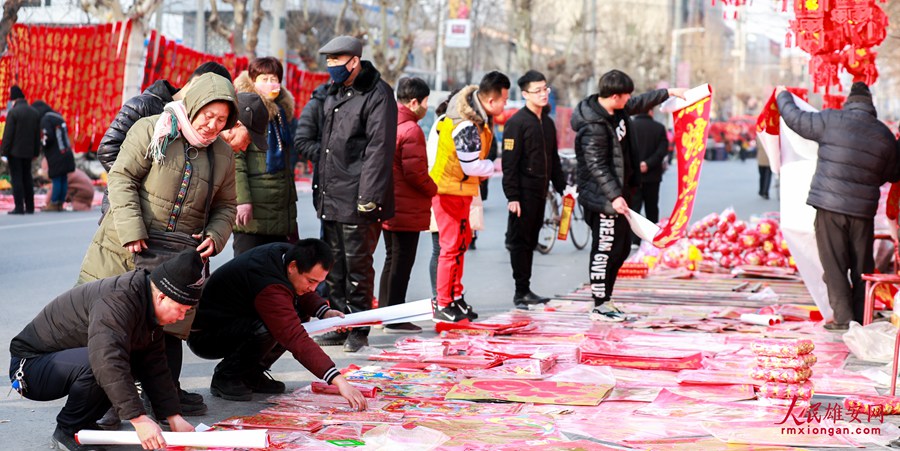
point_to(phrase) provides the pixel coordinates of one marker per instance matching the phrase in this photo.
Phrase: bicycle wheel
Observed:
(579, 230)
(550, 227)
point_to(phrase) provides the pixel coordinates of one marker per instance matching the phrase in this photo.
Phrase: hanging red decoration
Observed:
(839, 35)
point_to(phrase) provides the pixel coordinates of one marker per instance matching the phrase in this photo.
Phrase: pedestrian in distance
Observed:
(266, 193)
(251, 313)
(359, 136)
(465, 136)
(857, 154)
(652, 146)
(608, 170)
(92, 342)
(413, 190)
(21, 145)
(57, 150)
(530, 164)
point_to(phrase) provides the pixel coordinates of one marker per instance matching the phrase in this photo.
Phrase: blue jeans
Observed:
(60, 188)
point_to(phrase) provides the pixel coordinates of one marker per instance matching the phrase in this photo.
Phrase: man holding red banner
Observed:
(857, 154)
(608, 171)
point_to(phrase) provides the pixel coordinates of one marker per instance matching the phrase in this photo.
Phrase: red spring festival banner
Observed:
(691, 131)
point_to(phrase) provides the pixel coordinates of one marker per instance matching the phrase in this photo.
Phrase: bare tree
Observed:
(10, 16)
(243, 40)
(139, 13)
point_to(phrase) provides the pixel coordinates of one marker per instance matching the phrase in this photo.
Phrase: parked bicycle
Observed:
(579, 231)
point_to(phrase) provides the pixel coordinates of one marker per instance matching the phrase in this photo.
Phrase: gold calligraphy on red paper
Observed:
(691, 131)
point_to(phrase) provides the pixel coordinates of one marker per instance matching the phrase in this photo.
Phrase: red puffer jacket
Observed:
(413, 188)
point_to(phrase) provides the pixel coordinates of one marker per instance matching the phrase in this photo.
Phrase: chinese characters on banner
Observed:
(691, 131)
(77, 70)
(168, 60)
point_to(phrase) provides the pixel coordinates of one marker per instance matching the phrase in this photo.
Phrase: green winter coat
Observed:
(273, 196)
(142, 194)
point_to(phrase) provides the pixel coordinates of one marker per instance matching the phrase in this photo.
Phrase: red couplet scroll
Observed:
(691, 131)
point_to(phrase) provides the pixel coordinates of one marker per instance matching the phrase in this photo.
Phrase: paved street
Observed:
(40, 256)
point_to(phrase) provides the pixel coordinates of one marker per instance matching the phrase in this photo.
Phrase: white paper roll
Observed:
(251, 438)
(406, 312)
(761, 320)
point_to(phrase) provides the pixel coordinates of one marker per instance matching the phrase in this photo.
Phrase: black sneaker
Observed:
(356, 341)
(189, 398)
(264, 383)
(835, 327)
(66, 441)
(466, 309)
(333, 338)
(402, 328)
(110, 421)
(452, 313)
(230, 388)
(529, 298)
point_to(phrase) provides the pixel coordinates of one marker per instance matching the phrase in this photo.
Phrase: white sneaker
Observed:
(607, 312)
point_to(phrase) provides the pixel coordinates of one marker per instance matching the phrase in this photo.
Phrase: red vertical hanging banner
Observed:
(691, 131)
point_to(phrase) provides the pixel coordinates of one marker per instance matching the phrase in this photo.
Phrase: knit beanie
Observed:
(15, 93)
(181, 277)
(859, 93)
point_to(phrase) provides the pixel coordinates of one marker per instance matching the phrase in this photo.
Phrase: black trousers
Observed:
(245, 346)
(399, 258)
(243, 242)
(351, 281)
(647, 196)
(65, 373)
(845, 244)
(22, 183)
(765, 179)
(610, 245)
(522, 237)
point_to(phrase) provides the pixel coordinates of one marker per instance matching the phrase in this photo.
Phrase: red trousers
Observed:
(452, 216)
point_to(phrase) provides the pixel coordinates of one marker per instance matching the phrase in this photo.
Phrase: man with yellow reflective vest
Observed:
(464, 140)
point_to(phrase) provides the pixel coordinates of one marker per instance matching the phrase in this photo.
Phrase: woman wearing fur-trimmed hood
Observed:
(266, 195)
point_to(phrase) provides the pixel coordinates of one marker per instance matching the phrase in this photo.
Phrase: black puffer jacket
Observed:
(600, 156)
(55, 142)
(857, 154)
(22, 134)
(308, 136)
(148, 103)
(359, 136)
(115, 320)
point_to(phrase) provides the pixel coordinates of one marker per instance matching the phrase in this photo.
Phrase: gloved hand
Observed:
(368, 210)
(244, 214)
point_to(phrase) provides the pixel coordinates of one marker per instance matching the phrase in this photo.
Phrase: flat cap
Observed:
(343, 45)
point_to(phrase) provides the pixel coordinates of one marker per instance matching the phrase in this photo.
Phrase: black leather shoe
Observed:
(110, 421)
(402, 328)
(66, 441)
(355, 341)
(189, 398)
(333, 338)
(15, 212)
(530, 298)
(230, 388)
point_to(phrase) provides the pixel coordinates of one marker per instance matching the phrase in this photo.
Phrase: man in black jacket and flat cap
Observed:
(93, 341)
(857, 154)
(356, 183)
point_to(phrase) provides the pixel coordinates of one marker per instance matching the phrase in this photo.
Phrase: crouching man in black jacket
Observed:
(857, 154)
(93, 341)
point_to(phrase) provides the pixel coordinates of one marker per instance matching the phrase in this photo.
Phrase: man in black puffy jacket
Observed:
(608, 171)
(857, 154)
(308, 137)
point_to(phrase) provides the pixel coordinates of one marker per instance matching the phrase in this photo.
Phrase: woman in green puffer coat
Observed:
(266, 194)
(151, 188)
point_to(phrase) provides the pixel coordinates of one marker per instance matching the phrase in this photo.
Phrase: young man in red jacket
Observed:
(413, 190)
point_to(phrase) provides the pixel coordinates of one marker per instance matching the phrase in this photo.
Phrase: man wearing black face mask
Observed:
(355, 178)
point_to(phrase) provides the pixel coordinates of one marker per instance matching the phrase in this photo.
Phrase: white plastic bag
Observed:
(873, 343)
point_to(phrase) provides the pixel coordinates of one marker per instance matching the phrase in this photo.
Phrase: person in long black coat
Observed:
(57, 149)
(21, 145)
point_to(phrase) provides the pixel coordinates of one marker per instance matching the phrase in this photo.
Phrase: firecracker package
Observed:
(781, 390)
(782, 348)
(873, 405)
(797, 362)
(788, 375)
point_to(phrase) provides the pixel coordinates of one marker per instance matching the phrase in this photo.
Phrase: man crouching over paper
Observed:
(251, 313)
